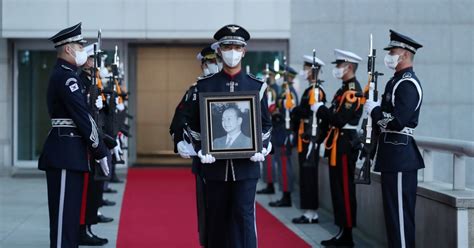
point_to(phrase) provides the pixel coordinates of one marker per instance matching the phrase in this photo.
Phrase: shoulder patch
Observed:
(66, 68)
(255, 78)
(407, 75)
(71, 80)
(74, 87)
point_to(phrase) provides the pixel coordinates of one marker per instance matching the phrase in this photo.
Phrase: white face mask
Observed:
(205, 72)
(391, 61)
(212, 68)
(338, 72)
(220, 65)
(80, 57)
(231, 58)
(103, 72)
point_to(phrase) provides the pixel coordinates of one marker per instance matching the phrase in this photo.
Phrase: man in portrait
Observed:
(232, 124)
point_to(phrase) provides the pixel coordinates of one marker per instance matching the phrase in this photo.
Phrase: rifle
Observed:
(94, 93)
(362, 176)
(288, 99)
(313, 147)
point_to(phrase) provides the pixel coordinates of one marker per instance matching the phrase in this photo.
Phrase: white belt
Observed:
(62, 122)
(405, 131)
(348, 126)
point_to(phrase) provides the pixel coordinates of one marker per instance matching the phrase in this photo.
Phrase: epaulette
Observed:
(255, 78)
(205, 77)
(67, 68)
(407, 75)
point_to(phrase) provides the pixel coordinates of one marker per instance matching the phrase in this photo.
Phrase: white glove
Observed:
(260, 156)
(117, 152)
(370, 105)
(104, 166)
(316, 106)
(99, 104)
(206, 159)
(182, 150)
(266, 151)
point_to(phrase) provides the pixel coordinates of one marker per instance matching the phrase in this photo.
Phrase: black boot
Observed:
(285, 201)
(107, 203)
(89, 230)
(88, 240)
(103, 219)
(342, 239)
(270, 189)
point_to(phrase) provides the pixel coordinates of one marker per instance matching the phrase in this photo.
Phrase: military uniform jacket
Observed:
(74, 132)
(179, 123)
(280, 133)
(304, 113)
(348, 113)
(395, 121)
(229, 169)
(343, 114)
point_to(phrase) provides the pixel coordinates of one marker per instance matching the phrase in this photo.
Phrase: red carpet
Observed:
(159, 210)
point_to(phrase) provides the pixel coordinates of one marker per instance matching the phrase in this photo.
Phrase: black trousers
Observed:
(95, 190)
(64, 202)
(309, 182)
(399, 200)
(231, 214)
(341, 177)
(201, 209)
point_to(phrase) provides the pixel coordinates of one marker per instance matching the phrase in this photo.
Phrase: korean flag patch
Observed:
(73, 87)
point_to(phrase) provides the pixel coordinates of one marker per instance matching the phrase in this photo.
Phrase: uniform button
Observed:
(396, 141)
(71, 134)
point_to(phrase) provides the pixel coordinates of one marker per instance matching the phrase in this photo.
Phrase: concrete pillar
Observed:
(6, 105)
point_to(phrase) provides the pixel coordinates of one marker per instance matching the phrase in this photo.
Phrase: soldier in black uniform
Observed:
(93, 189)
(283, 138)
(209, 66)
(308, 170)
(342, 145)
(73, 136)
(231, 183)
(397, 157)
(269, 165)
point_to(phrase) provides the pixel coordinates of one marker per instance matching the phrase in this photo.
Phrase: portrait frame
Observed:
(214, 132)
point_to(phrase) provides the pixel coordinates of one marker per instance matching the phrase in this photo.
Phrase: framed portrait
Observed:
(230, 124)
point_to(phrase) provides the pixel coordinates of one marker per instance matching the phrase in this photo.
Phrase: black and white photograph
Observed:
(230, 124)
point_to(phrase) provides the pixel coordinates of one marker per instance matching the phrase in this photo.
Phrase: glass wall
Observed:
(34, 68)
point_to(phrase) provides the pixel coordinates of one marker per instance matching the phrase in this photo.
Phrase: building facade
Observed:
(158, 41)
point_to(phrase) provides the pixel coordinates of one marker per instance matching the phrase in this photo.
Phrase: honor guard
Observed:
(93, 189)
(73, 137)
(231, 183)
(303, 117)
(209, 66)
(283, 137)
(342, 144)
(268, 168)
(397, 157)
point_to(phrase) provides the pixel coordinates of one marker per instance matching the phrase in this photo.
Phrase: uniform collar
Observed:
(66, 64)
(399, 73)
(234, 77)
(349, 81)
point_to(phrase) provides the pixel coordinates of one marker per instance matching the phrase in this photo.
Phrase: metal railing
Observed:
(459, 149)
